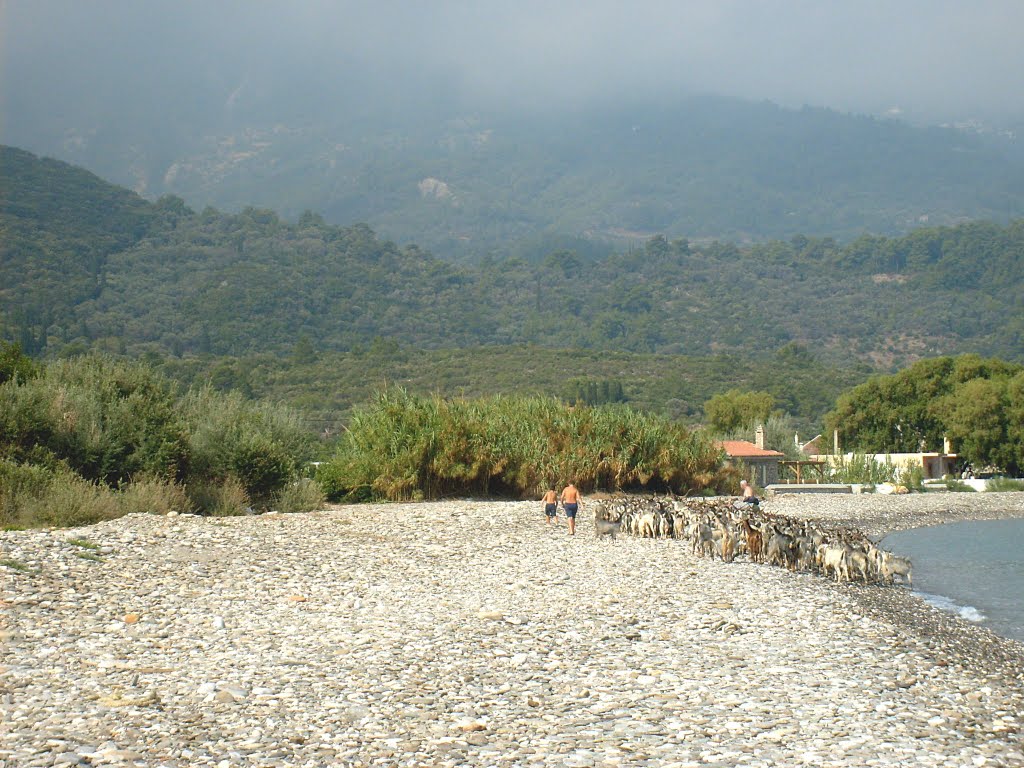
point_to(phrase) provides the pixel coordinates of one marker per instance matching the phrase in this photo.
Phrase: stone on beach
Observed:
(471, 633)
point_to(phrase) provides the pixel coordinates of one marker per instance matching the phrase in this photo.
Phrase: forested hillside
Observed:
(162, 278)
(59, 225)
(468, 182)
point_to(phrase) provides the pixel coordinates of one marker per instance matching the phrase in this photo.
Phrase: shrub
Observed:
(221, 498)
(41, 498)
(958, 487)
(913, 478)
(334, 481)
(107, 420)
(861, 468)
(259, 444)
(15, 364)
(78, 428)
(18, 484)
(301, 495)
(262, 465)
(1002, 484)
(153, 495)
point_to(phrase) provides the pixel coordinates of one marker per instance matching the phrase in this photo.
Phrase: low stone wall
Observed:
(809, 488)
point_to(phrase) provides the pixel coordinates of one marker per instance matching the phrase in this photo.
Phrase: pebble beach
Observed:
(470, 633)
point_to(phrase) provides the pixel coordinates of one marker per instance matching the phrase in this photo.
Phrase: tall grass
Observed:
(153, 495)
(92, 438)
(224, 497)
(32, 496)
(407, 447)
(959, 487)
(301, 495)
(36, 496)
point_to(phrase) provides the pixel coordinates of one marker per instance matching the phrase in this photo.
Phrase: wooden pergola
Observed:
(817, 465)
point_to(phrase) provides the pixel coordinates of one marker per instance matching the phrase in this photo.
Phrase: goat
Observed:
(891, 566)
(780, 551)
(647, 525)
(856, 562)
(754, 539)
(703, 539)
(832, 559)
(607, 527)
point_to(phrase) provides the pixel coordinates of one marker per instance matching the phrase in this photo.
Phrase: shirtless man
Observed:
(571, 503)
(749, 500)
(550, 501)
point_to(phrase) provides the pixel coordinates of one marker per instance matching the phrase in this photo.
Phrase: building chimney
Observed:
(947, 446)
(759, 436)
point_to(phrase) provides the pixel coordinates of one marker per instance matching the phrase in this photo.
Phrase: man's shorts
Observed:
(570, 509)
(550, 509)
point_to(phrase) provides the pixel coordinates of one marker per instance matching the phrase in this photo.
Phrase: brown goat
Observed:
(755, 542)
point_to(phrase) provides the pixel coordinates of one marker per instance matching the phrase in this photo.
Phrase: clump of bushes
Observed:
(959, 487)
(407, 447)
(1003, 484)
(92, 438)
(861, 468)
(156, 495)
(31, 495)
(301, 495)
(251, 449)
(225, 497)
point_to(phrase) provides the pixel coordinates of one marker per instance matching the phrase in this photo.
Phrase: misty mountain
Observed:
(162, 278)
(511, 128)
(468, 185)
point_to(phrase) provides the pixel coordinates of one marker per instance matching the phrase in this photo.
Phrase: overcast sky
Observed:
(936, 60)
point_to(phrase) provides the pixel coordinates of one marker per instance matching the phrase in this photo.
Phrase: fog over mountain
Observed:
(937, 60)
(470, 126)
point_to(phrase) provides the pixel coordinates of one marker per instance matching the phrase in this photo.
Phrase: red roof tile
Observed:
(739, 449)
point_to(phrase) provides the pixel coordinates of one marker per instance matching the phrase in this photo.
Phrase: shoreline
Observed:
(977, 645)
(879, 515)
(469, 633)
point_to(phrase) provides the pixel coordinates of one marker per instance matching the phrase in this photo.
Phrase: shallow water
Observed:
(973, 569)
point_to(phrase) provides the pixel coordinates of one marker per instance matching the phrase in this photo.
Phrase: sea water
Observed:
(974, 569)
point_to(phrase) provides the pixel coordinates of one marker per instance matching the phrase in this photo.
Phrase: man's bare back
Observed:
(570, 503)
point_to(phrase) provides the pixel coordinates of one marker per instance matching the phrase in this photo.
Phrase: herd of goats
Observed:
(717, 528)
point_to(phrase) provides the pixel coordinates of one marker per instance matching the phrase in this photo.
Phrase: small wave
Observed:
(968, 612)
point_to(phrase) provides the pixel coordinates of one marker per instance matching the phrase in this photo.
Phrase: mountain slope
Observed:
(233, 284)
(58, 226)
(465, 184)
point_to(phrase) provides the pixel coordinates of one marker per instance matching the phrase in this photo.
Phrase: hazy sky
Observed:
(934, 59)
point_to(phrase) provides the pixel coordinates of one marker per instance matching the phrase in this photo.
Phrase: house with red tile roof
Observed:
(760, 465)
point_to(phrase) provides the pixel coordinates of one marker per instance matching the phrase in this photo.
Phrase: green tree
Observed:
(736, 408)
(304, 352)
(15, 363)
(975, 419)
(1015, 424)
(970, 399)
(895, 414)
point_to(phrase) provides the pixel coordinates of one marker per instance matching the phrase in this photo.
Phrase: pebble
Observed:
(471, 633)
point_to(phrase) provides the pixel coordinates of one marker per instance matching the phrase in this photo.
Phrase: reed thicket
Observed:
(404, 446)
